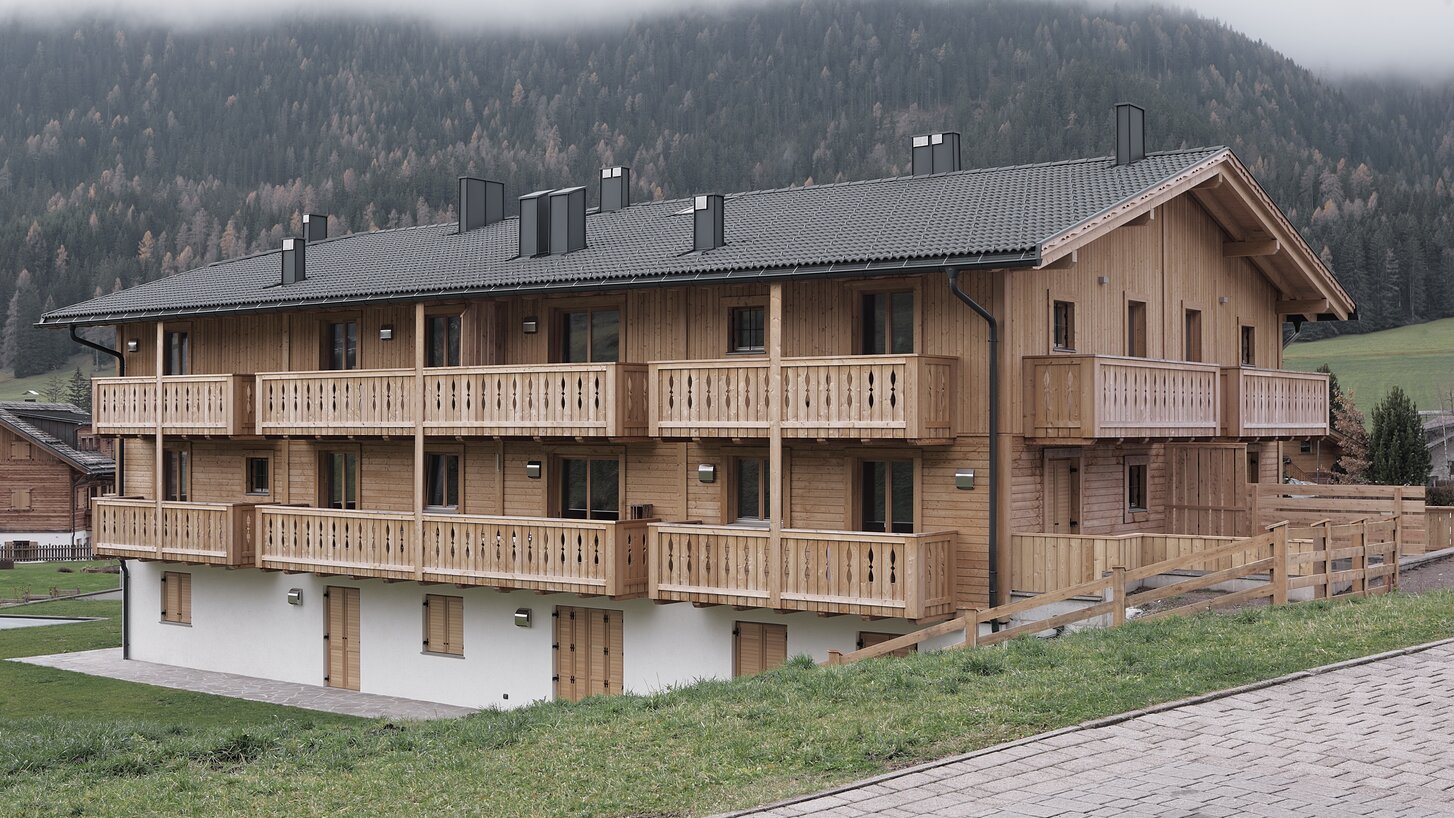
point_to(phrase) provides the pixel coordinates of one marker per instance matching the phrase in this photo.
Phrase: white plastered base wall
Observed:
(242, 623)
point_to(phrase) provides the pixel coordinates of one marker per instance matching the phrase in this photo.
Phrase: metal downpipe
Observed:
(994, 433)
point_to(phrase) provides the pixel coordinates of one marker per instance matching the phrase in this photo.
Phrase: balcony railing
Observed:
(1100, 396)
(852, 572)
(199, 533)
(189, 405)
(351, 402)
(329, 541)
(895, 397)
(1274, 403)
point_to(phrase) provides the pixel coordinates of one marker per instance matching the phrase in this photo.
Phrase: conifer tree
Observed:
(78, 391)
(1399, 457)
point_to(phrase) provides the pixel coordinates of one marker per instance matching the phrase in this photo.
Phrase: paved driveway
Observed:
(1374, 738)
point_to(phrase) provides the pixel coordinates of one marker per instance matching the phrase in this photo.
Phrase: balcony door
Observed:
(340, 345)
(443, 334)
(886, 496)
(338, 480)
(1062, 495)
(177, 473)
(887, 323)
(589, 336)
(177, 353)
(590, 488)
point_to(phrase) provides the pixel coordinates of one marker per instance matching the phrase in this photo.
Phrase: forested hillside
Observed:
(129, 152)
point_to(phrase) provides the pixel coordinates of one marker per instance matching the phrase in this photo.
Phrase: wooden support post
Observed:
(1398, 551)
(159, 464)
(419, 441)
(775, 444)
(1324, 589)
(1118, 595)
(971, 628)
(1280, 564)
(1360, 558)
(835, 657)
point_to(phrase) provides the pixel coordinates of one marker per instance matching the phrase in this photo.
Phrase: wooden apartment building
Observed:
(585, 451)
(51, 466)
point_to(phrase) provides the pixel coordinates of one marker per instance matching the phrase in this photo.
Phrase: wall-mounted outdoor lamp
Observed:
(530, 325)
(295, 596)
(1103, 280)
(707, 472)
(522, 617)
(133, 345)
(964, 479)
(533, 469)
(386, 332)
(1222, 299)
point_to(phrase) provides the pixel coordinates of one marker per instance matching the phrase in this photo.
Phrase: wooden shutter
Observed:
(19, 450)
(20, 499)
(758, 647)
(444, 624)
(867, 639)
(177, 597)
(589, 654)
(342, 635)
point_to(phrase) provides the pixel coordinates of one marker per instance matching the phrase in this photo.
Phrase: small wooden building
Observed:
(51, 467)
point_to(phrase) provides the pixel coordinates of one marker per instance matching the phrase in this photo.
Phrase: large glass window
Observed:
(441, 481)
(443, 334)
(748, 330)
(340, 480)
(590, 336)
(341, 345)
(887, 500)
(751, 480)
(590, 489)
(177, 358)
(888, 323)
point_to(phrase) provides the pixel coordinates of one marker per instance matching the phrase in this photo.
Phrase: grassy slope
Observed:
(13, 388)
(40, 577)
(709, 747)
(1419, 358)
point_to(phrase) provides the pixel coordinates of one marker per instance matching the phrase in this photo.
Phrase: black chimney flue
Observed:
(1130, 133)
(708, 222)
(481, 203)
(295, 261)
(567, 220)
(535, 224)
(935, 153)
(615, 188)
(315, 227)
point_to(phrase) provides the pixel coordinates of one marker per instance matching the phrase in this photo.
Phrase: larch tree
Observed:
(1352, 465)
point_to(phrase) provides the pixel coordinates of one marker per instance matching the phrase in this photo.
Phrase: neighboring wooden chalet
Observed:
(771, 407)
(51, 466)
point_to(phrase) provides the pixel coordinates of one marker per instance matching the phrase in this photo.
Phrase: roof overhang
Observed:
(60, 453)
(1257, 230)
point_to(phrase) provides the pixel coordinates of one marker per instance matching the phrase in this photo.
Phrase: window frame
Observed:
(325, 476)
(326, 347)
(456, 452)
(248, 458)
(173, 364)
(861, 316)
(733, 515)
(170, 580)
(1130, 464)
(1247, 339)
(560, 329)
(558, 493)
(858, 507)
(1055, 307)
(458, 356)
(178, 456)
(1192, 341)
(733, 312)
(1137, 324)
(22, 499)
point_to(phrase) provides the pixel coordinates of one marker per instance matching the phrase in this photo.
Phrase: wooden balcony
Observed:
(592, 557)
(847, 572)
(887, 397)
(189, 405)
(1070, 398)
(552, 400)
(1272, 403)
(198, 533)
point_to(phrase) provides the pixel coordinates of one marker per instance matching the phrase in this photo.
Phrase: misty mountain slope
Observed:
(128, 152)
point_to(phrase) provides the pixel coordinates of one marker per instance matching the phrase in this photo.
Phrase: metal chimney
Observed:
(295, 261)
(567, 220)
(1130, 133)
(935, 153)
(615, 188)
(707, 223)
(481, 203)
(535, 224)
(315, 227)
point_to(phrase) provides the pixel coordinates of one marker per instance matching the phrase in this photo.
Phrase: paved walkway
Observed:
(108, 662)
(1357, 739)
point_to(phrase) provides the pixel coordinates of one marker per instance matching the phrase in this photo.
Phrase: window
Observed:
(340, 349)
(1249, 346)
(444, 624)
(176, 352)
(1063, 326)
(1136, 329)
(748, 330)
(176, 597)
(339, 471)
(887, 496)
(442, 332)
(20, 499)
(590, 489)
(867, 639)
(757, 646)
(441, 481)
(1192, 335)
(1136, 485)
(1254, 471)
(258, 472)
(750, 487)
(590, 336)
(176, 474)
(888, 323)
(1305, 447)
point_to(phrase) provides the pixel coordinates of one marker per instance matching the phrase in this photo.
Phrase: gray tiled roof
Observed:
(17, 415)
(990, 216)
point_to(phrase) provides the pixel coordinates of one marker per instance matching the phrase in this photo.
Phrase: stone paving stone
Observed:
(1370, 740)
(108, 662)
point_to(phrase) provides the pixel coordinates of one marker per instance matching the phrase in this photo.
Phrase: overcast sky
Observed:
(1331, 36)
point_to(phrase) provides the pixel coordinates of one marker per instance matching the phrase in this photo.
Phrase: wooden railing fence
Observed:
(1299, 504)
(1351, 559)
(1438, 528)
(30, 551)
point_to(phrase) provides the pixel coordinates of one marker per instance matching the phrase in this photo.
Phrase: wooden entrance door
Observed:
(588, 653)
(341, 636)
(1062, 495)
(757, 647)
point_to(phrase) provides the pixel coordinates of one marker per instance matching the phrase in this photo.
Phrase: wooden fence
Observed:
(1438, 528)
(1301, 505)
(1351, 559)
(28, 551)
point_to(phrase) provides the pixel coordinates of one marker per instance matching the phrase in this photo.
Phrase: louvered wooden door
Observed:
(588, 653)
(758, 647)
(341, 636)
(1062, 495)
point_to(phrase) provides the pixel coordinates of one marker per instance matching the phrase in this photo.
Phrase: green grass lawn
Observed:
(13, 388)
(41, 577)
(1419, 358)
(696, 750)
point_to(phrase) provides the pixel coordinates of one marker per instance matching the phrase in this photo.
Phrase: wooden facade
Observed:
(44, 492)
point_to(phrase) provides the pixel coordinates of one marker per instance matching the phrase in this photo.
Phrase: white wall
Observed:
(242, 623)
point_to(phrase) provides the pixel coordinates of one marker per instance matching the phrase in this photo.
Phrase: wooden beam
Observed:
(1254, 247)
(1310, 306)
(1145, 218)
(1210, 184)
(775, 440)
(1065, 262)
(418, 409)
